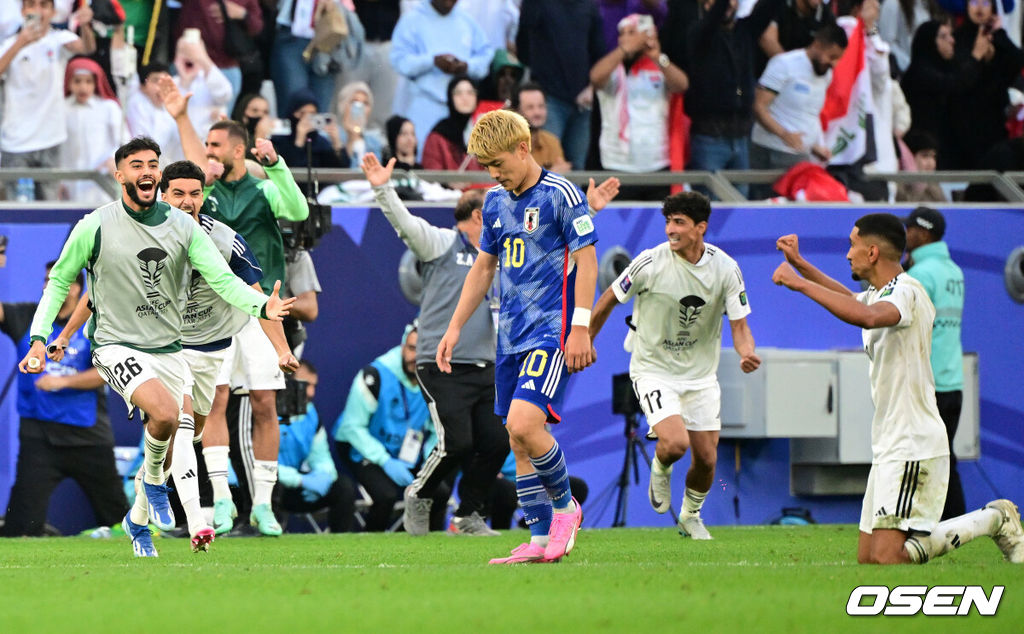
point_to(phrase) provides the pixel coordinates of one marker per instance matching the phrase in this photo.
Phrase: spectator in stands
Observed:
(612, 12)
(922, 150)
(445, 147)
(432, 43)
(379, 18)
(935, 76)
(307, 479)
(793, 26)
(211, 18)
(64, 430)
(402, 143)
(289, 70)
(34, 121)
(139, 16)
(95, 128)
(529, 101)
(499, 20)
(787, 105)
(899, 20)
(497, 88)
(355, 110)
(978, 117)
(387, 433)
(145, 112)
(313, 139)
(681, 14)
(253, 112)
(560, 42)
(721, 50)
(633, 83)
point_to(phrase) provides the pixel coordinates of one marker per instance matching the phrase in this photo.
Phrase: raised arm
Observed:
(425, 240)
(843, 305)
(790, 247)
(283, 194)
(176, 105)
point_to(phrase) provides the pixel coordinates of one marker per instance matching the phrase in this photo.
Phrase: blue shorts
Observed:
(536, 376)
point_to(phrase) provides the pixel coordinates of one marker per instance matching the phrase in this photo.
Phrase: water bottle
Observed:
(25, 191)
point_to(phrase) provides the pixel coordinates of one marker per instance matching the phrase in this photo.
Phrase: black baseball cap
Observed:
(928, 219)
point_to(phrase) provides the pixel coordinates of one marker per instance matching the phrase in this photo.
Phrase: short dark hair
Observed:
(309, 365)
(234, 129)
(79, 279)
(695, 205)
(181, 169)
(470, 200)
(136, 145)
(525, 87)
(920, 140)
(831, 33)
(148, 69)
(887, 227)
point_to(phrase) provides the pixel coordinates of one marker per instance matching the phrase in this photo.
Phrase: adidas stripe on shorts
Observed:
(905, 496)
(537, 376)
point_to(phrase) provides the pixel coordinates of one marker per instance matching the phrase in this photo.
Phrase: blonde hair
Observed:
(496, 132)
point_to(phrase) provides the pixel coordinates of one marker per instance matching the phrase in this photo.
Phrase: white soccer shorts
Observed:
(251, 361)
(660, 398)
(125, 369)
(905, 496)
(202, 380)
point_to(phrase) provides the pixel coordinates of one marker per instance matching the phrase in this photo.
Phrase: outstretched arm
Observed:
(55, 350)
(843, 305)
(790, 247)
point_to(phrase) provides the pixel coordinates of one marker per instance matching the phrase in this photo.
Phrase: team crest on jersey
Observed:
(531, 219)
(151, 261)
(689, 309)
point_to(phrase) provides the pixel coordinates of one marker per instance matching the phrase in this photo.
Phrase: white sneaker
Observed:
(1009, 536)
(692, 526)
(659, 491)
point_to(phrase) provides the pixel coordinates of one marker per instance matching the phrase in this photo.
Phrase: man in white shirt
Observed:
(32, 66)
(682, 287)
(906, 487)
(788, 102)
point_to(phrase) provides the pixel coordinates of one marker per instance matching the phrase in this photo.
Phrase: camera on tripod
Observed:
(624, 399)
(291, 400)
(306, 234)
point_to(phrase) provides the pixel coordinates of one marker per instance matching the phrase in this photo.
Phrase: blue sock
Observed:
(536, 505)
(552, 472)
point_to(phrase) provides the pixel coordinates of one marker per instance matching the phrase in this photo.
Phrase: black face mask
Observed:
(250, 125)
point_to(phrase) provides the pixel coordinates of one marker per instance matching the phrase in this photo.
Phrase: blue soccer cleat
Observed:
(160, 512)
(142, 542)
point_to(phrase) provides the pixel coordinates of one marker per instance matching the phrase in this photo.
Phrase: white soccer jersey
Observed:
(906, 426)
(678, 312)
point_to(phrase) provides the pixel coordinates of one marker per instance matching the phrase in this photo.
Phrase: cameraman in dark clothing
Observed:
(64, 430)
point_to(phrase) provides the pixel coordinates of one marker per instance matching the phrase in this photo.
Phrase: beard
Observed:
(820, 69)
(855, 277)
(133, 193)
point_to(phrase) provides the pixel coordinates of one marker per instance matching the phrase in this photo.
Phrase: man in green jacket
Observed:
(930, 264)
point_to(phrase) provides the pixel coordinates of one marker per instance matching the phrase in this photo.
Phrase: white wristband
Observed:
(581, 317)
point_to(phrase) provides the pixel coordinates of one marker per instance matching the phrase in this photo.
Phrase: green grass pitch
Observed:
(749, 579)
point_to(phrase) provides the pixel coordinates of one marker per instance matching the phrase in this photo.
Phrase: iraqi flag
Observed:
(847, 113)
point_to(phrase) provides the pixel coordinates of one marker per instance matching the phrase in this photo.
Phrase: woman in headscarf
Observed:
(445, 147)
(355, 105)
(314, 140)
(95, 128)
(978, 117)
(932, 80)
(402, 143)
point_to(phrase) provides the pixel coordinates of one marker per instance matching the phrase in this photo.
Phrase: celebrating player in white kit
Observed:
(682, 287)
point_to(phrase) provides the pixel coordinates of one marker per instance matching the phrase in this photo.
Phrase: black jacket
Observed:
(559, 42)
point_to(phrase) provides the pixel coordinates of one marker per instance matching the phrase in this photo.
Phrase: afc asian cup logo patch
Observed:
(531, 219)
(625, 284)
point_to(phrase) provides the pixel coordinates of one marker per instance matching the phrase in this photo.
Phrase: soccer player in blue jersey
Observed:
(537, 230)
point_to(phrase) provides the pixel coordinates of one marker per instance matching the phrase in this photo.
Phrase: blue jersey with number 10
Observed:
(533, 235)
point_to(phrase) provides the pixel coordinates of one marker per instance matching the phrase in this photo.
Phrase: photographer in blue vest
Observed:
(64, 430)
(386, 433)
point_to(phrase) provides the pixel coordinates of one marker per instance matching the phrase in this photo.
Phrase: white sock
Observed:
(952, 534)
(153, 463)
(216, 458)
(540, 540)
(692, 501)
(198, 438)
(140, 508)
(185, 470)
(264, 476)
(659, 468)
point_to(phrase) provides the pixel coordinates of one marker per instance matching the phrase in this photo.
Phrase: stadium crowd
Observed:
(639, 86)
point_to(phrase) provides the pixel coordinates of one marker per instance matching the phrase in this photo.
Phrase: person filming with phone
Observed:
(314, 139)
(355, 105)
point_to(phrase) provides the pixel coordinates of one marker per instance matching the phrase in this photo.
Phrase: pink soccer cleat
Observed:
(202, 539)
(528, 553)
(562, 535)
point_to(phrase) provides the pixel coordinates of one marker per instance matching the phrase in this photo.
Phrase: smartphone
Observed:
(357, 112)
(193, 36)
(32, 19)
(321, 121)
